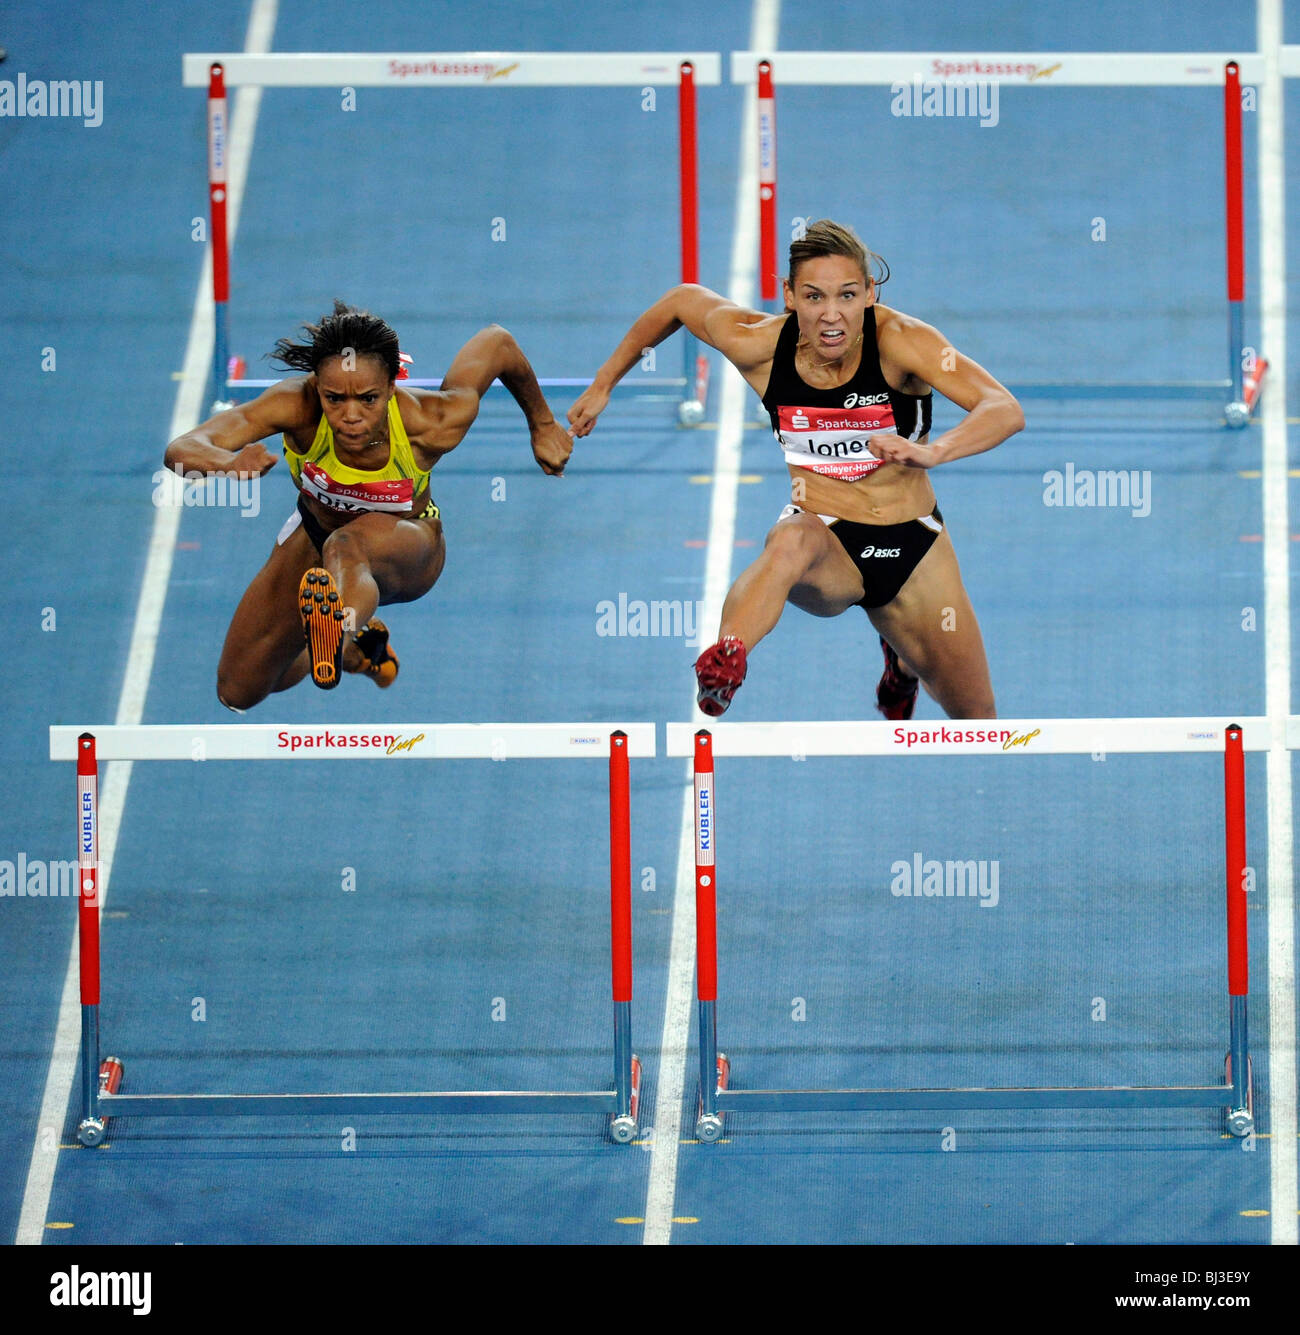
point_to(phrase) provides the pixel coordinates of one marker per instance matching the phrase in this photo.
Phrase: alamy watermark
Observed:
(928, 878)
(946, 97)
(176, 486)
(1118, 488)
(670, 618)
(75, 1287)
(33, 878)
(78, 99)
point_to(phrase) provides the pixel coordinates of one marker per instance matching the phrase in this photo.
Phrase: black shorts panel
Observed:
(886, 554)
(311, 526)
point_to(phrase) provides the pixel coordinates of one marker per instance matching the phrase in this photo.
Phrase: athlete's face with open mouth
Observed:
(830, 296)
(355, 402)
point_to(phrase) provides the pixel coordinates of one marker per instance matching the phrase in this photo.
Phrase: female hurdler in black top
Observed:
(847, 384)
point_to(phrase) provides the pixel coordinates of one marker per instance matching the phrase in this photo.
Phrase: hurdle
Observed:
(101, 1079)
(1241, 388)
(1012, 737)
(489, 70)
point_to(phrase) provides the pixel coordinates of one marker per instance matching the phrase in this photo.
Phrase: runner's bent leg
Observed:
(932, 627)
(801, 563)
(263, 645)
(378, 559)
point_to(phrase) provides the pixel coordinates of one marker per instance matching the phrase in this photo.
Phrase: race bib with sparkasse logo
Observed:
(386, 494)
(835, 441)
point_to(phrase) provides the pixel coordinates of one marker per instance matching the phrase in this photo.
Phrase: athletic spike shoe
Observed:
(322, 624)
(896, 694)
(379, 663)
(720, 670)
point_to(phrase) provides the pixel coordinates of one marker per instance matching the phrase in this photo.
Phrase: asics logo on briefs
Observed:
(881, 551)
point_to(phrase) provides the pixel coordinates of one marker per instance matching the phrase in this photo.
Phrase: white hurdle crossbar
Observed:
(1012, 737)
(393, 744)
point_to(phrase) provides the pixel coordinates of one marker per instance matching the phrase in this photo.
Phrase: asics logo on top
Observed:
(853, 400)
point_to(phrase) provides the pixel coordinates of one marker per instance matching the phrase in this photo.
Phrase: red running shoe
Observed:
(896, 694)
(720, 670)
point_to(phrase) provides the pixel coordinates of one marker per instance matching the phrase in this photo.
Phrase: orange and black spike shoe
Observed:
(322, 624)
(379, 663)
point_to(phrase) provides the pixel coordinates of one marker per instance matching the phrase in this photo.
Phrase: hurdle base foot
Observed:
(91, 1130)
(1241, 1121)
(623, 1127)
(708, 1126)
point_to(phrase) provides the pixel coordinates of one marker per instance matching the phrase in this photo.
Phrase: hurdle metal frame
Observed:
(101, 1079)
(1243, 384)
(1020, 737)
(472, 69)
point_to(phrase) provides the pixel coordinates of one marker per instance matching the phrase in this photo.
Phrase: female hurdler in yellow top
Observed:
(365, 531)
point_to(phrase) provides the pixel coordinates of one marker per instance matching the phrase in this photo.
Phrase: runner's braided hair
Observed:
(346, 330)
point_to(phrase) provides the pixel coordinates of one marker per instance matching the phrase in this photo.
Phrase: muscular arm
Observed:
(492, 354)
(228, 442)
(711, 318)
(992, 413)
(745, 338)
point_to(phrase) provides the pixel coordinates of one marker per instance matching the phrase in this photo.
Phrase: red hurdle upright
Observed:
(713, 1064)
(1238, 1069)
(696, 393)
(218, 137)
(1247, 380)
(627, 1066)
(767, 264)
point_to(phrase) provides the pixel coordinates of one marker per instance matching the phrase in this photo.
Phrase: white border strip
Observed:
(354, 741)
(139, 660)
(1034, 69)
(452, 69)
(973, 737)
(679, 1007)
(1281, 1034)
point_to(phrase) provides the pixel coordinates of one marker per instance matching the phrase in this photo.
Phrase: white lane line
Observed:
(186, 413)
(678, 1008)
(1280, 1039)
